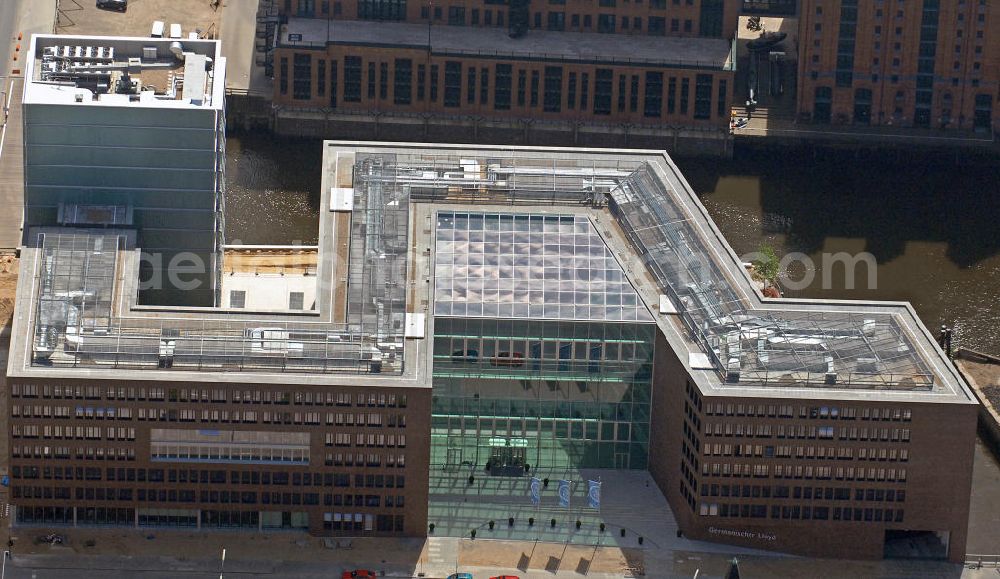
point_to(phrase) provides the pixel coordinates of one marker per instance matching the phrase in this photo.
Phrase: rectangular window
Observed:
(371, 81)
(633, 95)
(653, 104)
(352, 79)
(584, 90)
(237, 299)
(402, 89)
(553, 89)
(521, 82)
(302, 77)
(333, 84)
(452, 83)
(434, 83)
(380, 9)
(557, 21)
(606, 23)
(283, 75)
(602, 91)
(684, 95)
(296, 300)
(534, 88)
(470, 92)
(383, 80)
(456, 15)
(703, 96)
(657, 26)
(502, 87)
(721, 103)
(571, 93)
(321, 78)
(671, 96)
(621, 93)
(484, 85)
(421, 81)
(475, 17)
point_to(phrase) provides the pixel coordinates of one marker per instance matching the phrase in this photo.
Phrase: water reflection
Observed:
(933, 230)
(932, 225)
(272, 194)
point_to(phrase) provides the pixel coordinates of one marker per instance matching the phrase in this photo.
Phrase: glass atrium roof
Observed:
(529, 266)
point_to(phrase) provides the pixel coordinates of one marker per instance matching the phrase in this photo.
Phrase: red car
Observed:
(358, 574)
(505, 577)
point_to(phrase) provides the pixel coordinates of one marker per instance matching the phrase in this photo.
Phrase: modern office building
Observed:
(490, 312)
(574, 73)
(130, 132)
(928, 64)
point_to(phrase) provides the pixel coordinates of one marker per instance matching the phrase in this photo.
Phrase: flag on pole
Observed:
(594, 494)
(564, 493)
(535, 491)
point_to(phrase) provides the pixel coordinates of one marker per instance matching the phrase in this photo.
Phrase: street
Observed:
(8, 33)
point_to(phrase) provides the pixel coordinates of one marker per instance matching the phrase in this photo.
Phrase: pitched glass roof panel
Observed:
(529, 266)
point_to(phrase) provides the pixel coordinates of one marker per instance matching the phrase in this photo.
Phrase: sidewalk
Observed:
(12, 169)
(296, 555)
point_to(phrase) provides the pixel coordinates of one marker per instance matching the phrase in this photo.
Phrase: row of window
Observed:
(800, 512)
(206, 395)
(360, 439)
(193, 476)
(606, 23)
(807, 452)
(811, 412)
(809, 493)
(552, 89)
(802, 431)
(78, 453)
(374, 419)
(205, 496)
(71, 433)
(747, 470)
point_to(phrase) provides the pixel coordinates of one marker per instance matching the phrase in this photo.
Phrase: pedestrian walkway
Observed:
(630, 501)
(12, 168)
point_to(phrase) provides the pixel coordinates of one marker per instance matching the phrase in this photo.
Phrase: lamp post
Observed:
(3, 568)
(222, 564)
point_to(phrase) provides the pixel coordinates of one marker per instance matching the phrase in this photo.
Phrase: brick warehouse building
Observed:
(576, 74)
(486, 307)
(927, 64)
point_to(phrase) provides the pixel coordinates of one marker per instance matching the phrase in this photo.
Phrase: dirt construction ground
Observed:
(84, 18)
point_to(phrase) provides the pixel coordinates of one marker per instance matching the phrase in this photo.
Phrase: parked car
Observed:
(460, 576)
(119, 5)
(505, 577)
(511, 359)
(358, 574)
(469, 355)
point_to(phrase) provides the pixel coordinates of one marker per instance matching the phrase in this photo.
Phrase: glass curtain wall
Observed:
(525, 396)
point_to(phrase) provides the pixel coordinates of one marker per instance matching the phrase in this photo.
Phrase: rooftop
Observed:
(125, 72)
(566, 234)
(489, 42)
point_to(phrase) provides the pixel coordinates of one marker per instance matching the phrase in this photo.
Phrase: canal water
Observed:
(932, 227)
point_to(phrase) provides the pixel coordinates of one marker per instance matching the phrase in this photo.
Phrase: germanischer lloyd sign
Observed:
(742, 534)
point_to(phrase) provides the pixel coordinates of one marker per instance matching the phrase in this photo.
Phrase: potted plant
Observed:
(473, 533)
(510, 521)
(579, 523)
(531, 521)
(491, 525)
(552, 523)
(432, 527)
(602, 527)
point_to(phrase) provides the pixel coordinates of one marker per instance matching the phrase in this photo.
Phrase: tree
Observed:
(767, 266)
(753, 24)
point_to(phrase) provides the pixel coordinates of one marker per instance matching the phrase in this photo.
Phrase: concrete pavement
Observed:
(24, 18)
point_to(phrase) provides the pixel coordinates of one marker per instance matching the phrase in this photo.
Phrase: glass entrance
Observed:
(507, 456)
